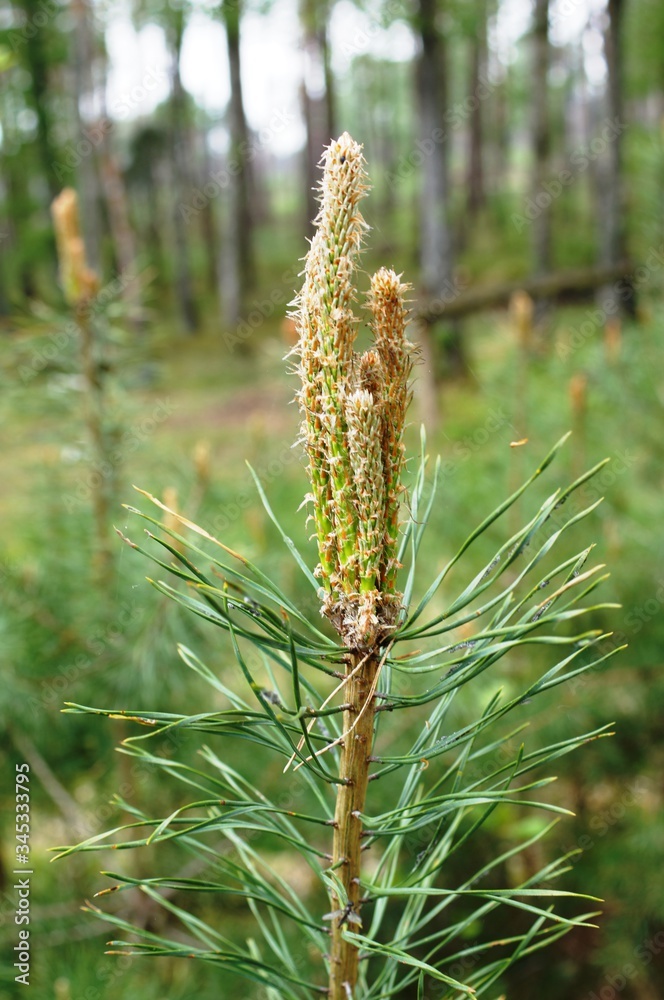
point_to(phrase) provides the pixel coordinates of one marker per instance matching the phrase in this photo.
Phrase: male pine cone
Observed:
(353, 410)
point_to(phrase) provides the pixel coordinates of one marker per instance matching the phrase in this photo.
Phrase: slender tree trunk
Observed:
(330, 90)
(358, 723)
(183, 280)
(318, 106)
(151, 194)
(501, 128)
(436, 250)
(313, 148)
(436, 241)
(239, 229)
(118, 211)
(497, 120)
(475, 178)
(84, 59)
(19, 205)
(6, 243)
(117, 205)
(541, 137)
(208, 227)
(4, 239)
(613, 239)
(37, 64)
(37, 60)
(387, 143)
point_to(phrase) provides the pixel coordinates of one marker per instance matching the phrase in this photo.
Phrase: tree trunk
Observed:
(118, 214)
(436, 242)
(501, 136)
(436, 252)
(475, 178)
(330, 92)
(7, 238)
(613, 242)
(183, 280)
(313, 148)
(4, 242)
(18, 207)
(37, 64)
(318, 102)
(240, 223)
(156, 227)
(541, 138)
(387, 143)
(208, 225)
(84, 58)
(117, 206)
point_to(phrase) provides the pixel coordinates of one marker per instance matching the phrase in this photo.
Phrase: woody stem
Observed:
(351, 798)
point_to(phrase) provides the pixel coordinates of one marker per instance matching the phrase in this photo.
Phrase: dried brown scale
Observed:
(364, 441)
(369, 374)
(387, 303)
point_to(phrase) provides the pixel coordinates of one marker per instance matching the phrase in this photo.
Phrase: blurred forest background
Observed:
(516, 152)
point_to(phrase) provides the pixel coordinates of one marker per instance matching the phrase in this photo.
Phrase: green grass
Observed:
(238, 403)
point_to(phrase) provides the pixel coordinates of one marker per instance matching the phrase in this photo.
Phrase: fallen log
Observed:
(459, 301)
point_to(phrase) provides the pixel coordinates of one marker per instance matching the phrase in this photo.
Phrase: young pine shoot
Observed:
(377, 813)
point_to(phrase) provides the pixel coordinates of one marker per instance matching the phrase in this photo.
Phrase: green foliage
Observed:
(239, 828)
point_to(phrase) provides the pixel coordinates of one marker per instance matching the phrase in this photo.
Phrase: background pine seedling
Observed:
(327, 706)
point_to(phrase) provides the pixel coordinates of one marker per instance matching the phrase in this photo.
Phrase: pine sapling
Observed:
(353, 413)
(316, 693)
(80, 284)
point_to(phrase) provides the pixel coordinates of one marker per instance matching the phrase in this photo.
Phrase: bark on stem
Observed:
(94, 391)
(348, 825)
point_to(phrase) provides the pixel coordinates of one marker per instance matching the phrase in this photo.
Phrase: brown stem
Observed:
(348, 825)
(94, 391)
